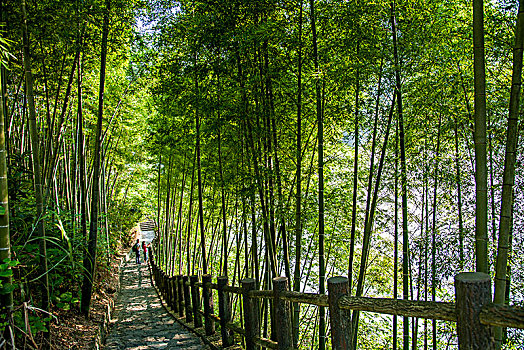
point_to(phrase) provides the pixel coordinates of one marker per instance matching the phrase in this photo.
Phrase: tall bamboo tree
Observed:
(6, 300)
(36, 160)
(320, 136)
(298, 193)
(506, 210)
(403, 177)
(481, 170)
(90, 257)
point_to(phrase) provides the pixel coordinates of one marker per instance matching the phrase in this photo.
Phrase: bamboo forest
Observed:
(261, 174)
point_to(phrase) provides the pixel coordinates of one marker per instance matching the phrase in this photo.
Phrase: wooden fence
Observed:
(473, 310)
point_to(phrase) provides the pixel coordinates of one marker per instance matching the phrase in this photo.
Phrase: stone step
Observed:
(142, 322)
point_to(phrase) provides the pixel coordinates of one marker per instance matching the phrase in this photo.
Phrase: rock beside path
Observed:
(142, 321)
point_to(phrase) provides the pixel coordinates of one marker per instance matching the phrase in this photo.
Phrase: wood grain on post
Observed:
(251, 321)
(165, 287)
(174, 293)
(195, 301)
(472, 292)
(162, 285)
(208, 305)
(340, 319)
(168, 288)
(163, 281)
(224, 312)
(283, 314)
(180, 295)
(187, 299)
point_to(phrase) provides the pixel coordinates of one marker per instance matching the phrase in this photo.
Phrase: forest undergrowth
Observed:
(378, 140)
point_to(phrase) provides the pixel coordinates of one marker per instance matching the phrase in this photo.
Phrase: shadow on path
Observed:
(142, 321)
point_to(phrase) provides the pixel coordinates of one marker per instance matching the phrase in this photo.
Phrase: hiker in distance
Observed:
(136, 249)
(144, 248)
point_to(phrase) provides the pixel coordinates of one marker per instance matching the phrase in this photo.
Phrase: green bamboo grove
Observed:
(308, 139)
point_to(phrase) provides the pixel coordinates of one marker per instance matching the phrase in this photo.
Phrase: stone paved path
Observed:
(142, 321)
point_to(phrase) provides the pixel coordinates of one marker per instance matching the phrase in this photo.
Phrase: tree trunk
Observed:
(298, 196)
(434, 233)
(403, 179)
(37, 174)
(395, 242)
(90, 258)
(199, 175)
(506, 210)
(159, 201)
(6, 300)
(81, 157)
(223, 192)
(189, 216)
(320, 136)
(355, 179)
(369, 225)
(481, 203)
(459, 201)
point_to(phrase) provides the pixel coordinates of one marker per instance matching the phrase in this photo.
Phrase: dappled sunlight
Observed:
(142, 321)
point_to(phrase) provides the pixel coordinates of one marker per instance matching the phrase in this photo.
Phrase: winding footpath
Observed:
(142, 321)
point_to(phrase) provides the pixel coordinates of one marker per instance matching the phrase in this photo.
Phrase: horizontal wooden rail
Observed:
(236, 328)
(306, 298)
(231, 289)
(409, 308)
(502, 316)
(492, 314)
(261, 294)
(213, 316)
(472, 310)
(266, 343)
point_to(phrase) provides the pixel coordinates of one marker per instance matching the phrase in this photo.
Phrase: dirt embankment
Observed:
(73, 330)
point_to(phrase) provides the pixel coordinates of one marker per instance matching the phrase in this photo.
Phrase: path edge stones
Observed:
(105, 327)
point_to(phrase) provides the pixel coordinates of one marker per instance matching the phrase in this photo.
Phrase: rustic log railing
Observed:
(473, 311)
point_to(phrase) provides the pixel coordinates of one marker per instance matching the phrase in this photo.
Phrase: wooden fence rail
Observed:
(473, 311)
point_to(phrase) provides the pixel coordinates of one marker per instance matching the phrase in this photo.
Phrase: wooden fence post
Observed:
(187, 299)
(251, 319)
(163, 281)
(283, 315)
(340, 319)
(195, 301)
(472, 292)
(174, 293)
(224, 312)
(208, 305)
(162, 286)
(180, 292)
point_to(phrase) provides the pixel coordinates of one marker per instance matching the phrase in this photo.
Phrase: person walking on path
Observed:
(144, 248)
(136, 249)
